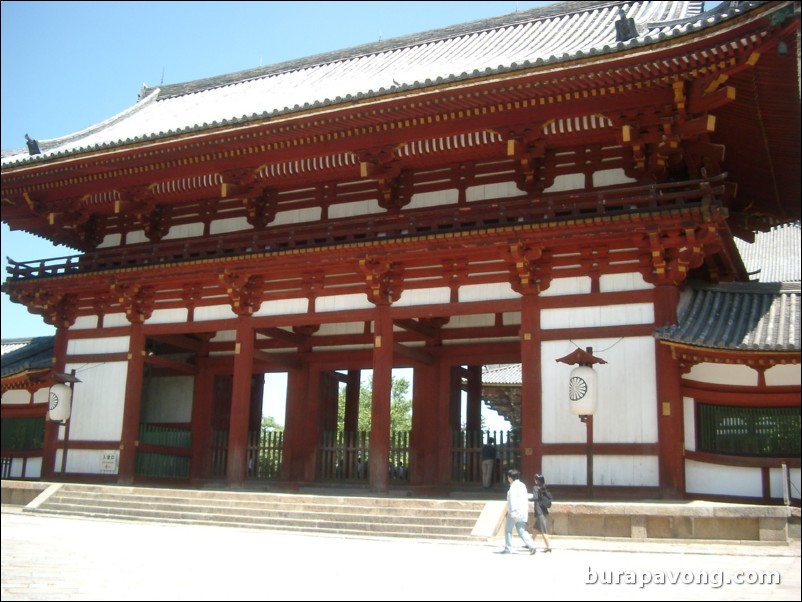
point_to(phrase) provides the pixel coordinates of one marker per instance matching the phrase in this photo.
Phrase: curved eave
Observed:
(692, 354)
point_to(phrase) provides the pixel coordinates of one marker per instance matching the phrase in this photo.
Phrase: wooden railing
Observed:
(406, 224)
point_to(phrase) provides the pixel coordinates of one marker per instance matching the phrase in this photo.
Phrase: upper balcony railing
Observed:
(419, 222)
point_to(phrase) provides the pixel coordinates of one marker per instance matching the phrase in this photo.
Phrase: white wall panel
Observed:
(84, 323)
(776, 482)
(562, 470)
(492, 191)
(16, 397)
(591, 317)
(433, 199)
(297, 216)
(92, 346)
(214, 312)
(112, 320)
(185, 231)
(98, 401)
(168, 316)
(785, 374)
(282, 307)
(626, 471)
(627, 398)
(231, 224)
(338, 328)
(579, 285)
(722, 480)
(110, 240)
(343, 302)
(611, 177)
(723, 374)
(567, 182)
(486, 292)
(471, 321)
(614, 283)
(86, 461)
(423, 296)
(355, 209)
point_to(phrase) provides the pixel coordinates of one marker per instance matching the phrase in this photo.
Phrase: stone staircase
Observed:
(335, 514)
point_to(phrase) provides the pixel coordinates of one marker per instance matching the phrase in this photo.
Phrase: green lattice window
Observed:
(23, 434)
(746, 431)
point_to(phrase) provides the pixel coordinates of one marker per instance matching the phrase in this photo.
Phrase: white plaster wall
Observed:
(611, 177)
(168, 399)
(785, 374)
(567, 182)
(33, 468)
(626, 471)
(84, 461)
(168, 316)
(282, 307)
(214, 312)
(111, 240)
(776, 482)
(343, 302)
(433, 199)
(84, 323)
(511, 318)
(588, 317)
(486, 292)
(224, 336)
(689, 423)
(471, 321)
(185, 231)
(112, 320)
(355, 208)
(41, 395)
(424, 296)
(563, 470)
(100, 345)
(16, 397)
(722, 480)
(613, 283)
(297, 216)
(136, 237)
(723, 374)
(568, 286)
(627, 397)
(98, 401)
(484, 192)
(231, 224)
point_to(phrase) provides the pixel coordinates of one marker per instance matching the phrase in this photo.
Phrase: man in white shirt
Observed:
(517, 512)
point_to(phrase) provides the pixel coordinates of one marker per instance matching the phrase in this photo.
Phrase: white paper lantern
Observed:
(60, 401)
(582, 391)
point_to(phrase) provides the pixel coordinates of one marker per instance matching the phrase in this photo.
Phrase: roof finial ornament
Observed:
(33, 146)
(625, 28)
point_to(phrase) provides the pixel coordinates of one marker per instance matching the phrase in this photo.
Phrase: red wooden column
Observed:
(531, 387)
(444, 421)
(351, 420)
(50, 444)
(670, 429)
(473, 420)
(202, 397)
(240, 402)
(129, 440)
(423, 441)
(378, 475)
(292, 466)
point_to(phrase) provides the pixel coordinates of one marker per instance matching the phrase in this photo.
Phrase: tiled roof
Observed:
(543, 36)
(738, 316)
(775, 255)
(29, 354)
(507, 374)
